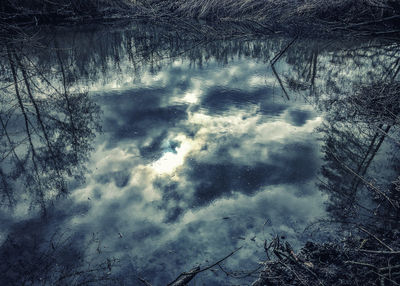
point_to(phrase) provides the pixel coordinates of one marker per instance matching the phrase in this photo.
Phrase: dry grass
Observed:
(273, 10)
(290, 15)
(280, 15)
(10, 9)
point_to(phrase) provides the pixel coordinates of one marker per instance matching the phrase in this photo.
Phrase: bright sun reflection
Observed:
(172, 160)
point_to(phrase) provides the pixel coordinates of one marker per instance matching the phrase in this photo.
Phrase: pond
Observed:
(164, 151)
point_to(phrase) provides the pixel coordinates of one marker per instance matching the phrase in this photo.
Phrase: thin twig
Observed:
(364, 180)
(360, 263)
(374, 236)
(143, 281)
(204, 269)
(279, 55)
(378, 251)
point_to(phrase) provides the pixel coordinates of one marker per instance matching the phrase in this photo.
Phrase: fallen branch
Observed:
(378, 251)
(279, 55)
(144, 281)
(186, 277)
(380, 241)
(280, 82)
(365, 181)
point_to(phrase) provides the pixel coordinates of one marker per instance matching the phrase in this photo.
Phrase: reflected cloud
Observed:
(299, 117)
(182, 165)
(199, 155)
(173, 158)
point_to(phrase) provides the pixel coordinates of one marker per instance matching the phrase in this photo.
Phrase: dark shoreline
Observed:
(311, 18)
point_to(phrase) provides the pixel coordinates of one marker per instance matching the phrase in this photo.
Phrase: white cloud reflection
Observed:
(172, 159)
(193, 162)
(161, 204)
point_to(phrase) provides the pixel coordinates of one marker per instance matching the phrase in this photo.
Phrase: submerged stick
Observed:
(374, 236)
(379, 251)
(275, 59)
(186, 277)
(280, 82)
(278, 55)
(144, 281)
(364, 181)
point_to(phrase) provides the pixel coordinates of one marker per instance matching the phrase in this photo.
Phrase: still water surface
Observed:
(173, 153)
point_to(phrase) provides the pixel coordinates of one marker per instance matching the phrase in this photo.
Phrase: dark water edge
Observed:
(126, 81)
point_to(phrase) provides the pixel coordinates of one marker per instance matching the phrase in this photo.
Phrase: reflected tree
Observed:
(353, 140)
(357, 88)
(361, 111)
(40, 258)
(360, 137)
(46, 129)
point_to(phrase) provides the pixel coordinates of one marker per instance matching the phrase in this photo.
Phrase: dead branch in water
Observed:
(279, 55)
(275, 59)
(186, 277)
